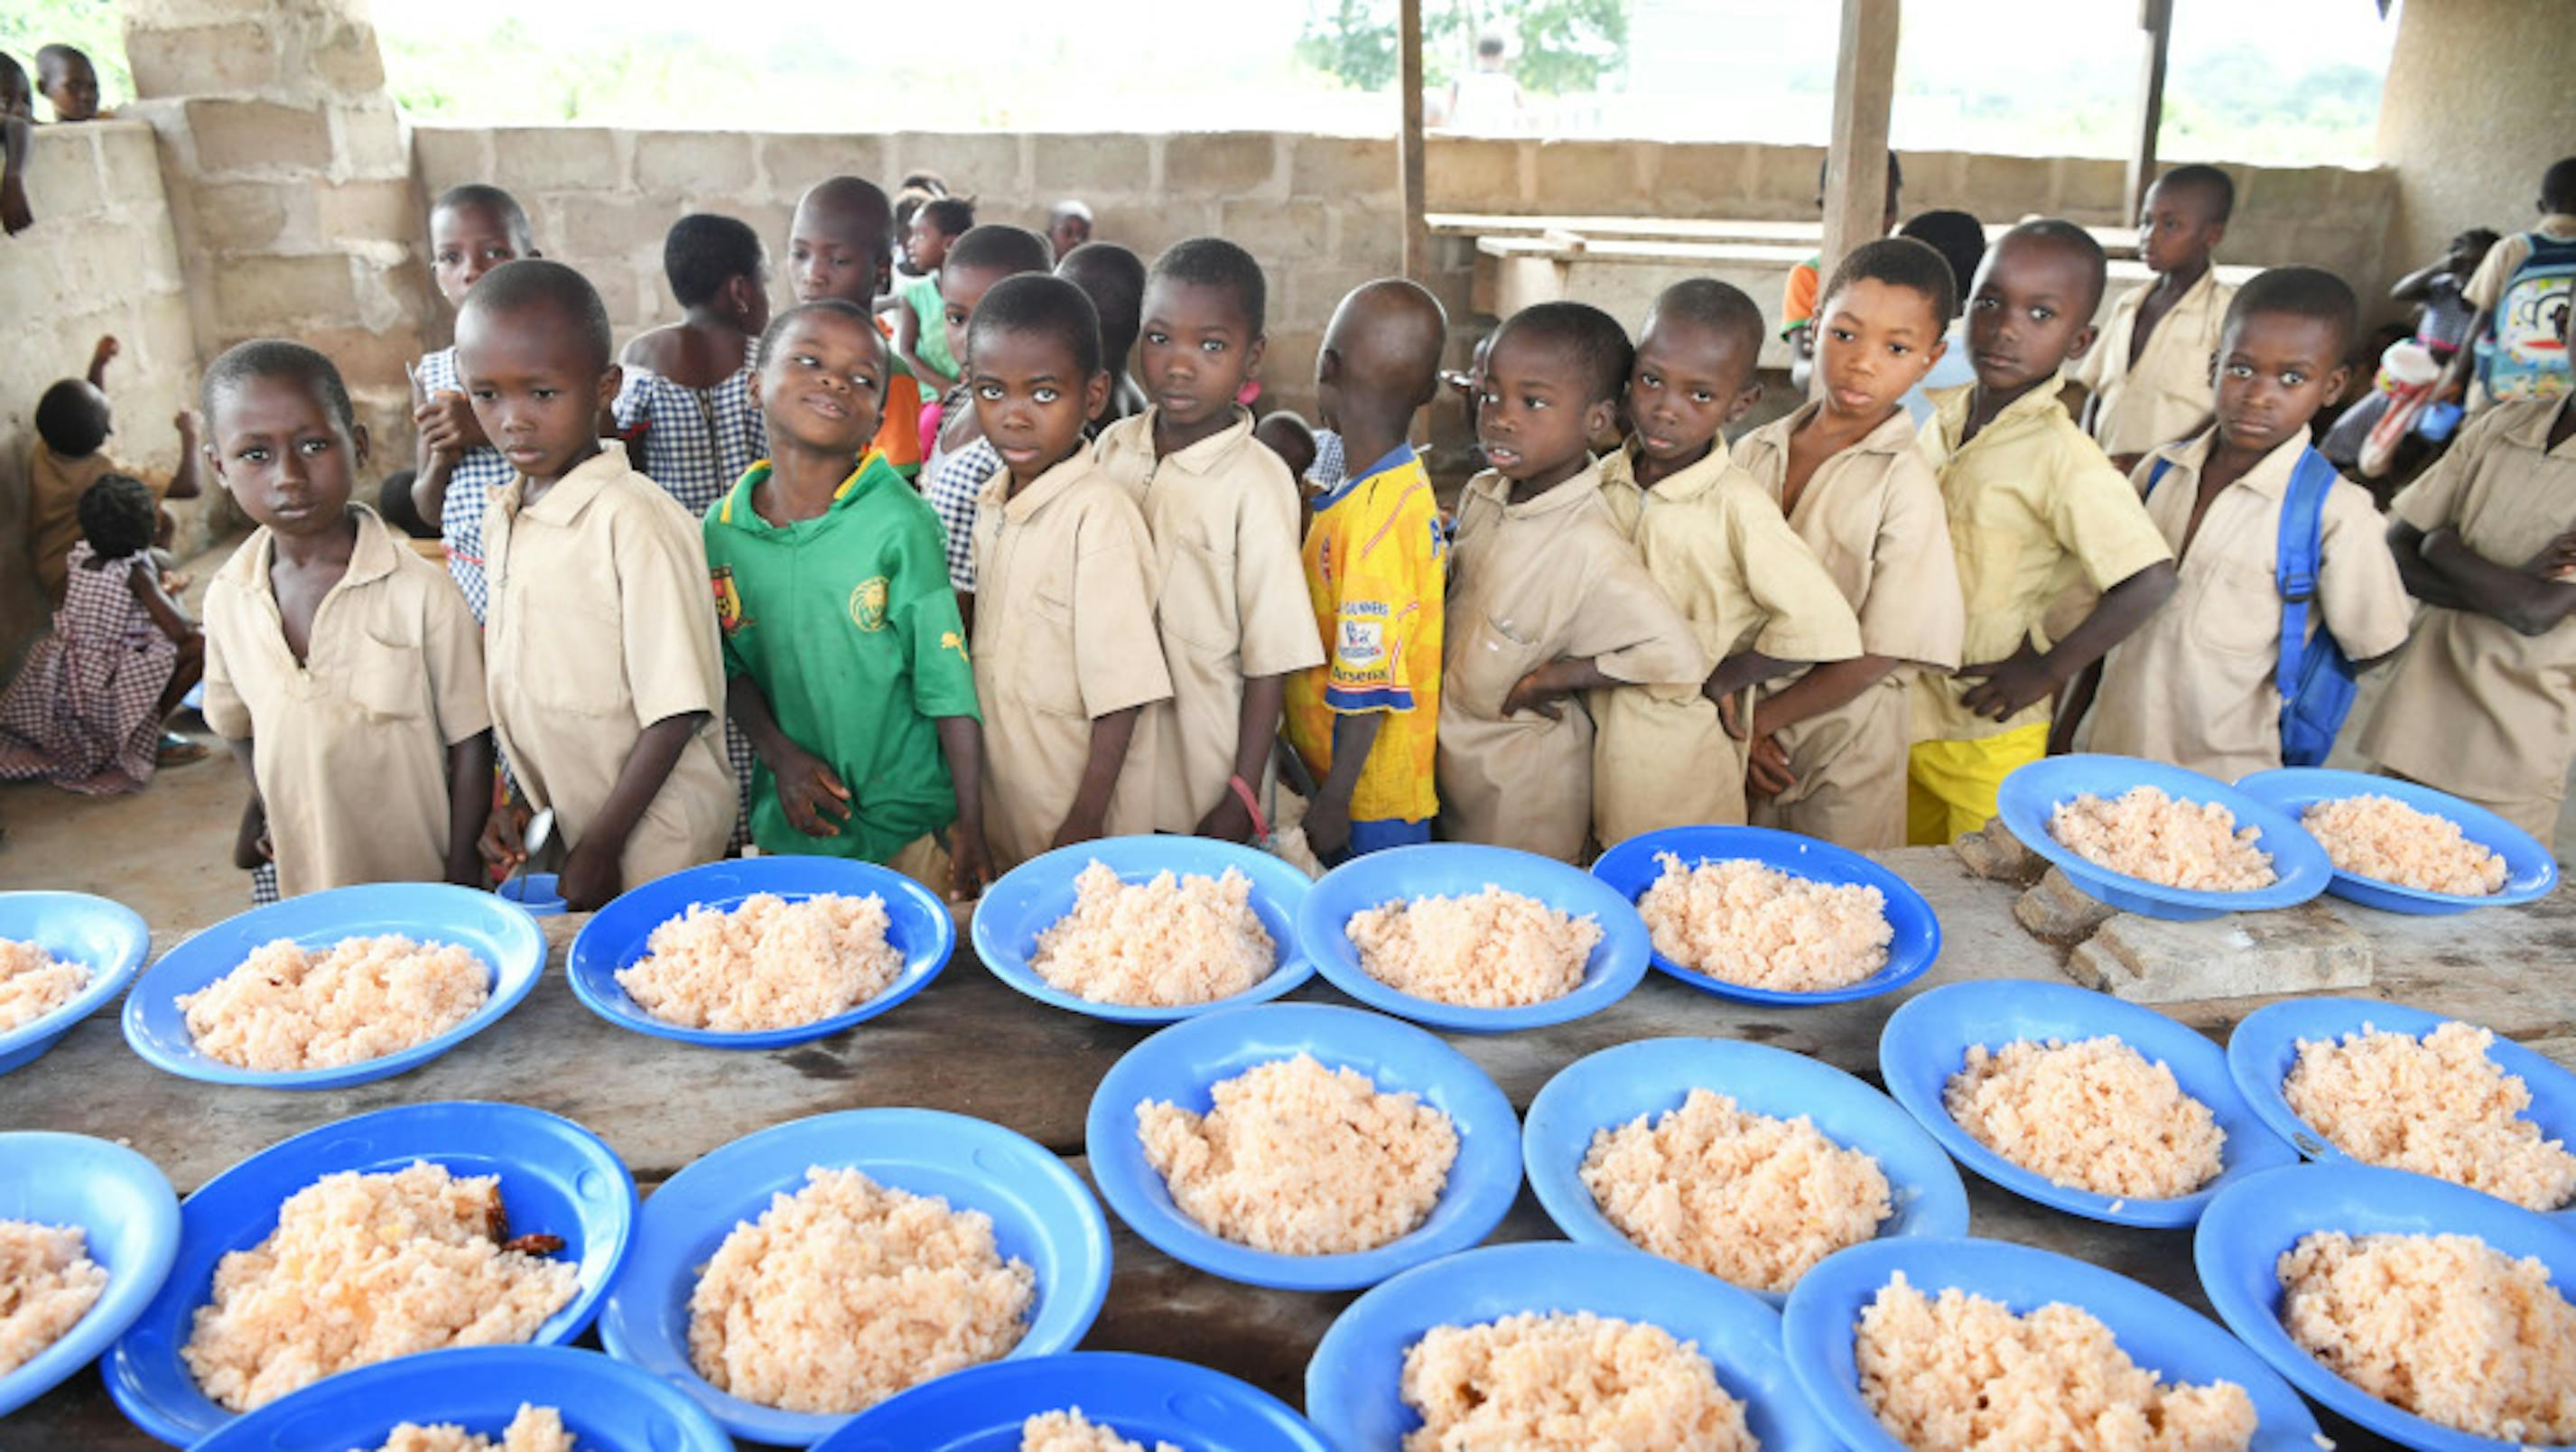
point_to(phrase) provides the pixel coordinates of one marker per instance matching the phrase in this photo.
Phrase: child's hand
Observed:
(1227, 821)
(2009, 685)
(186, 424)
(1535, 693)
(448, 426)
(815, 800)
(2556, 560)
(589, 879)
(1328, 824)
(1077, 828)
(1768, 774)
(105, 352)
(504, 843)
(970, 862)
(1726, 717)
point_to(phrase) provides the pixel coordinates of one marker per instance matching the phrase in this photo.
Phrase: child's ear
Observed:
(1252, 354)
(2082, 342)
(1601, 417)
(610, 382)
(358, 444)
(2337, 381)
(1328, 369)
(1095, 394)
(1747, 396)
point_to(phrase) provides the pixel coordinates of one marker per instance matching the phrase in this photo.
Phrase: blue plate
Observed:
(557, 1178)
(1142, 1398)
(502, 934)
(2300, 867)
(1926, 1041)
(2242, 1237)
(1041, 1214)
(2158, 1332)
(2265, 1047)
(2532, 870)
(1352, 1381)
(1653, 1076)
(107, 938)
(1179, 1064)
(1631, 868)
(917, 925)
(121, 1201)
(605, 1403)
(1450, 869)
(1035, 895)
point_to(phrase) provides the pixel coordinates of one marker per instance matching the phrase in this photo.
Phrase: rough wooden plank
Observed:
(1856, 161)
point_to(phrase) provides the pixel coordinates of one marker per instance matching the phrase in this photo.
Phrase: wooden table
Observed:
(969, 1044)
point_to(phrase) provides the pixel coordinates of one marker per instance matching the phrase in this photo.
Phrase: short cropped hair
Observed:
(2299, 292)
(1720, 307)
(1040, 303)
(836, 306)
(537, 284)
(927, 181)
(72, 418)
(1960, 239)
(1215, 262)
(117, 516)
(51, 59)
(1600, 346)
(278, 358)
(393, 504)
(481, 197)
(2558, 185)
(1114, 279)
(703, 251)
(2218, 185)
(861, 200)
(1900, 262)
(2058, 232)
(1001, 247)
(954, 216)
(10, 71)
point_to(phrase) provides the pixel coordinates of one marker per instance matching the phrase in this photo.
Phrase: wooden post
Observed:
(1408, 144)
(1856, 165)
(2155, 17)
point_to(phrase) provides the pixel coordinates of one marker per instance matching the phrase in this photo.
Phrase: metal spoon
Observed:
(540, 831)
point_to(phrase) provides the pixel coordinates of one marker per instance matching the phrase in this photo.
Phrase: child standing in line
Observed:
(606, 678)
(1230, 598)
(472, 229)
(1064, 662)
(921, 339)
(1828, 749)
(1068, 226)
(685, 410)
(1758, 602)
(2149, 374)
(363, 724)
(962, 461)
(1114, 279)
(841, 244)
(1546, 597)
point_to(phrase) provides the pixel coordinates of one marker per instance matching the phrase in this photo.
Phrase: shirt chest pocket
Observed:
(389, 680)
(1196, 606)
(1050, 677)
(1490, 658)
(2237, 609)
(578, 664)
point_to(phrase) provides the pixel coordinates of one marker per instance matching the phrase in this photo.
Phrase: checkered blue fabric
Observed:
(953, 487)
(1330, 467)
(694, 442)
(263, 885)
(469, 489)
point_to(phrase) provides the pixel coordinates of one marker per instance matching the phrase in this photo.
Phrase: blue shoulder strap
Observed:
(2156, 476)
(2300, 548)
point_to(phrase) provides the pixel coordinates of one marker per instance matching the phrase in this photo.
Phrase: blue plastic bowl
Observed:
(107, 938)
(1353, 1380)
(2300, 867)
(1142, 1398)
(1651, 1077)
(1035, 895)
(2158, 1332)
(121, 1201)
(1450, 869)
(2265, 1047)
(2242, 1237)
(1631, 868)
(1179, 1064)
(502, 934)
(2532, 871)
(605, 1403)
(535, 892)
(917, 925)
(557, 1178)
(1926, 1041)
(1041, 1214)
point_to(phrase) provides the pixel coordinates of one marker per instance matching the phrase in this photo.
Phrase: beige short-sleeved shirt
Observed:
(2034, 508)
(1230, 601)
(349, 745)
(2476, 707)
(2197, 685)
(54, 487)
(1552, 579)
(600, 625)
(1717, 546)
(1064, 634)
(2170, 391)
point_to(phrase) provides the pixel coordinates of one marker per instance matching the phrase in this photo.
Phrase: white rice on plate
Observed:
(766, 964)
(2384, 839)
(1165, 943)
(47, 1283)
(2436, 1105)
(2144, 833)
(534, 1429)
(1740, 921)
(287, 1008)
(1488, 949)
(1567, 1382)
(2091, 1115)
(1070, 1431)
(34, 983)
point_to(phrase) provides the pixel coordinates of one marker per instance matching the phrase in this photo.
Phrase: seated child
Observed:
(1114, 279)
(685, 411)
(2149, 373)
(2033, 508)
(921, 337)
(1068, 226)
(1828, 749)
(841, 244)
(1069, 591)
(1758, 602)
(472, 229)
(86, 707)
(2197, 685)
(963, 462)
(1230, 597)
(2442, 320)
(605, 674)
(1547, 596)
(363, 726)
(73, 425)
(845, 657)
(70, 83)
(1366, 721)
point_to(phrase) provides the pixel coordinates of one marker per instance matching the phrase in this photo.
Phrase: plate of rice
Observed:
(1074, 1402)
(2431, 1314)
(2406, 848)
(2160, 841)
(833, 1261)
(1763, 916)
(1474, 939)
(1165, 928)
(1901, 1346)
(762, 952)
(1306, 1146)
(1600, 1347)
(87, 1233)
(335, 1216)
(543, 1398)
(2075, 1099)
(63, 957)
(336, 988)
(1746, 1162)
(2356, 1079)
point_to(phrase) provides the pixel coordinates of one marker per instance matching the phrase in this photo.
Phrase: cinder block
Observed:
(200, 60)
(236, 136)
(371, 143)
(1226, 164)
(555, 158)
(1994, 853)
(606, 227)
(235, 217)
(64, 182)
(443, 157)
(1938, 179)
(1368, 237)
(2058, 912)
(2088, 187)
(1314, 290)
(2284, 192)
(267, 293)
(345, 55)
(987, 165)
(790, 164)
(367, 211)
(2007, 188)
(130, 165)
(1785, 177)
(1343, 169)
(1280, 234)
(1088, 167)
(168, 335)
(1473, 174)
(1709, 178)
(2243, 955)
(366, 358)
(1592, 178)
(696, 163)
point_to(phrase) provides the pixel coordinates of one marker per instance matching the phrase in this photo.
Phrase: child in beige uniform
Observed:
(1230, 596)
(1828, 749)
(607, 679)
(1066, 655)
(1547, 598)
(2149, 374)
(1756, 598)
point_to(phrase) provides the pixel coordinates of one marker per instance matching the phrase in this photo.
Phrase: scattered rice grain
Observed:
(1488, 949)
(766, 964)
(2093, 1115)
(286, 1008)
(2146, 834)
(1163, 943)
(1567, 1382)
(2436, 1105)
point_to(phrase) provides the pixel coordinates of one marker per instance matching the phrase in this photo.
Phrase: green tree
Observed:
(1565, 45)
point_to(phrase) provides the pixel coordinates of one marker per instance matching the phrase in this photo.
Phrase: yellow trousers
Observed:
(1950, 786)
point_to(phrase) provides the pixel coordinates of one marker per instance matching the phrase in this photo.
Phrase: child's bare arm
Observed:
(166, 615)
(250, 842)
(1256, 731)
(469, 802)
(970, 863)
(2072, 708)
(100, 356)
(590, 876)
(1110, 736)
(1742, 669)
(2530, 599)
(907, 342)
(1823, 688)
(1541, 689)
(812, 795)
(2406, 544)
(2030, 674)
(185, 481)
(1328, 817)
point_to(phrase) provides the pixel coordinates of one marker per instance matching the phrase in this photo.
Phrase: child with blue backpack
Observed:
(2523, 290)
(2286, 584)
